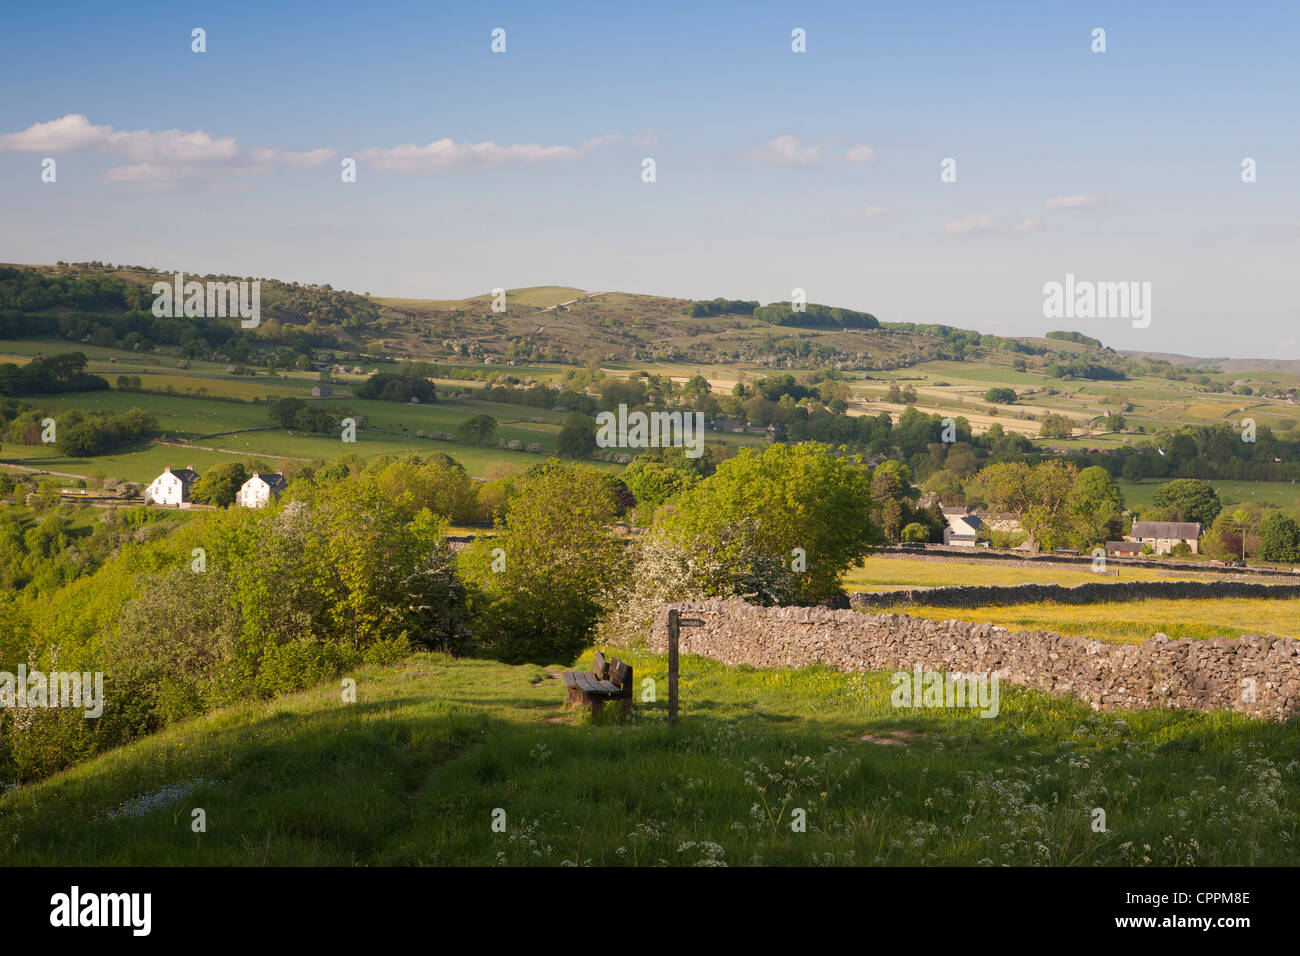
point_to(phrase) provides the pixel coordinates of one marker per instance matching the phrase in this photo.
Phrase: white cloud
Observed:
(64, 134)
(312, 157)
(445, 154)
(976, 223)
(864, 212)
(156, 159)
(861, 154)
(1082, 201)
(972, 223)
(784, 150)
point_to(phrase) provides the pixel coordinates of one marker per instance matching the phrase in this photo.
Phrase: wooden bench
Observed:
(610, 680)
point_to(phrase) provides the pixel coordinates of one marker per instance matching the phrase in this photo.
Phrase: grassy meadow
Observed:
(414, 771)
(885, 572)
(1133, 622)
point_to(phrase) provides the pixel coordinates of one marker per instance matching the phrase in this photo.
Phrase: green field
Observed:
(887, 572)
(435, 749)
(1133, 622)
(1280, 494)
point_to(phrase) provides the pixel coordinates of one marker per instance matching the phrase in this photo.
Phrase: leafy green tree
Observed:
(577, 436)
(1056, 426)
(653, 481)
(219, 484)
(1039, 496)
(538, 585)
(916, 532)
(1189, 499)
(1001, 396)
(283, 411)
(1279, 538)
(438, 483)
(476, 429)
(799, 497)
(1097, 506)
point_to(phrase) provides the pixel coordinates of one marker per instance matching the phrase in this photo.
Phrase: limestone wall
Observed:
(1195, 674)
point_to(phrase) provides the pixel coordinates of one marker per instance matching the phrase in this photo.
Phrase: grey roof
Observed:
(276, 480)
(1130, 546)
(186, 475)
(1190, 530)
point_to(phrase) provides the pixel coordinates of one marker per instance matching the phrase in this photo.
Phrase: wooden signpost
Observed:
(675, 623)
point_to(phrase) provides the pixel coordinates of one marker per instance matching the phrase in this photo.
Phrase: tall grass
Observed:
(413, 772)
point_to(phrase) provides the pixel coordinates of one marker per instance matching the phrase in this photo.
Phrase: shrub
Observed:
(798, 497)
(915, 532)
(536, 587)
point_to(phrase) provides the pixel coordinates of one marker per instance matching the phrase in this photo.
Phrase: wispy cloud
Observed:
(1082, 201)
(860, 154)
(166, 157)
(446, 154)
(976, 224)
(864, 212)
(785, 150)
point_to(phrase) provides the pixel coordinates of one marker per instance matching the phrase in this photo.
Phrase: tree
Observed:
(284, 410)
(399, 387)
(219, 484)
(1279, 538)
(1056, 426)
(1189, 499)
(802, 500)
(1097, 506)
(477, 428)
(915, 532)
(1039, 496)
(653, 481)
(537, 585)
(1001, 396)
(577, 436)
(1047, 519)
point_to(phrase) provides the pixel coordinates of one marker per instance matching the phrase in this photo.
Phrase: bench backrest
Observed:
(620, 674)
(601, 668)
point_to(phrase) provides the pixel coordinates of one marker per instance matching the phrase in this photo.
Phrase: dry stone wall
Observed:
(1205, 675)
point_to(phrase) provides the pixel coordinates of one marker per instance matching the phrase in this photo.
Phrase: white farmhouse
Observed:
(962, 527)
(172, 487)
(1164, 536)
(260, 489)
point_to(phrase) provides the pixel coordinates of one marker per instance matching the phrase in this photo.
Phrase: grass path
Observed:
(413, 772)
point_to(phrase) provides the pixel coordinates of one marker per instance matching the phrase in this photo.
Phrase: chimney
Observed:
(190, 467)
(167, 469)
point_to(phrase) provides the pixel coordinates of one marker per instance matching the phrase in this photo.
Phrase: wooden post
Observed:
(674, 631)
(675, 624)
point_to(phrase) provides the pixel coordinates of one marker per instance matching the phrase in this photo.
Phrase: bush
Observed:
(915, 532)
(801, 497)
(670, 569)
(537, 587)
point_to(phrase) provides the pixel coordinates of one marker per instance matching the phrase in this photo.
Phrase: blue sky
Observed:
(774, 170)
